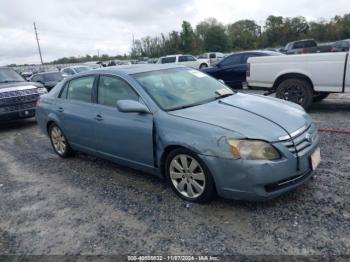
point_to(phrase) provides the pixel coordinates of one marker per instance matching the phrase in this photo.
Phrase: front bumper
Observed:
(18, 103)
(20, 114)
(260, 180)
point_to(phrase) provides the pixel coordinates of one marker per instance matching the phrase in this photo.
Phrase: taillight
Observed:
(248, 69)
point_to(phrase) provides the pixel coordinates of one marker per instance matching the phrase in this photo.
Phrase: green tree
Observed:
(212, 35)
(273, 34)
(187, 38)
(243, 34)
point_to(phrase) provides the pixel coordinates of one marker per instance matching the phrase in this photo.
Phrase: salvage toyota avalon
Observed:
(183, 125)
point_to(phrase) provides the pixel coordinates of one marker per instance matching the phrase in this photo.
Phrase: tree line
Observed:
(211, 35)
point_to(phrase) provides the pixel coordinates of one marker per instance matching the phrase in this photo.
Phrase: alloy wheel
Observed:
(295, 94)
(58, 140)
(187, 176)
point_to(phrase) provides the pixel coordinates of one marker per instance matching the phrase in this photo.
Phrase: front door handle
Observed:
(98, 118)
(60, 109)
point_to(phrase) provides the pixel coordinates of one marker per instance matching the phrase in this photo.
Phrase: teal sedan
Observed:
(183, 125)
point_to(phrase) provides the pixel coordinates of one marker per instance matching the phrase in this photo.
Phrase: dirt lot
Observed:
(85, 205)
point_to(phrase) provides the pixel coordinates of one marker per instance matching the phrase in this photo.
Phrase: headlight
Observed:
(42, 90)
(253, 150)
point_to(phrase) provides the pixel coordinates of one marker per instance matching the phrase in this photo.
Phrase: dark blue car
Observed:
(232, 69)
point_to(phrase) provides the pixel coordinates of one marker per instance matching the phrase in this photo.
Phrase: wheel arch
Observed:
(286, 76)
(49, 123)
(167, 150)
(52, 119)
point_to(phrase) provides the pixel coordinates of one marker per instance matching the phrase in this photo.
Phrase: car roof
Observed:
(75, 66)
(44, 73)
(257, 51)
(302, 40)
(137, 68)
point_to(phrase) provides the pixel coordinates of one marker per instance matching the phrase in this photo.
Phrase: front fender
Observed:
(199, 137)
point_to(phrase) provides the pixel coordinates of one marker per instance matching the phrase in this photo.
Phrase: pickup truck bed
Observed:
(308, 75)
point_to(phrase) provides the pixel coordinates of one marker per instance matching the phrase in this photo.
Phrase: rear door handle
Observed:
(60, 109)
(98, 118)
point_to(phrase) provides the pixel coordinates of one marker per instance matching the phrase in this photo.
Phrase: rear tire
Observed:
(189, 177)
(59, 142)
(319, 96)
(296, 90)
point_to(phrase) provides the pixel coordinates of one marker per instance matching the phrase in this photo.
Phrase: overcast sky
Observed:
(79, 27)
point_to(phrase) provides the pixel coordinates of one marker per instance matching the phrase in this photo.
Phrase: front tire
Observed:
(189, 177)
(59, 142)
(296, 90)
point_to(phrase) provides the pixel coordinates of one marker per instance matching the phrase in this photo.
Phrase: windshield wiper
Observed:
(186, 106)
(223, 96)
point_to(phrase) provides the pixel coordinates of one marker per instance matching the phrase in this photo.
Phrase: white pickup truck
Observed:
(302, 79)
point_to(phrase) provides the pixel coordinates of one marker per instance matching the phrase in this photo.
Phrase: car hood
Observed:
(252, 116)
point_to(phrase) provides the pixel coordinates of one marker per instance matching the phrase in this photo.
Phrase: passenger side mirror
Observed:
(131, 106)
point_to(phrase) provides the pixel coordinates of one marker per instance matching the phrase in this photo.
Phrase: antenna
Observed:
(37, 40)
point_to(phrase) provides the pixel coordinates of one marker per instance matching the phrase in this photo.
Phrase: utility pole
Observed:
(37, 40)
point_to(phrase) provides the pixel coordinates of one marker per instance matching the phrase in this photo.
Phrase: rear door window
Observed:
(231, 60)
(245, 57)
(80, 89)
(113, 89)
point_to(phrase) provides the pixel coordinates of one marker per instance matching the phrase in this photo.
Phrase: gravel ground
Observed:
(86, 205)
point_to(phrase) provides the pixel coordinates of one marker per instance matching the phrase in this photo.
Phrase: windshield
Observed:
(178, 88)
(55, 77)
(81, 69)
(8, 75)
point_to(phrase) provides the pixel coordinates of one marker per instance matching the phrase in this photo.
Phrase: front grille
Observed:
(302, 141)
(18, 100)
(15, 108)
(17, 93)
(287, 182)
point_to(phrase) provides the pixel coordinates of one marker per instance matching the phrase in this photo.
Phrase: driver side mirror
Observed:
(131, 106)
